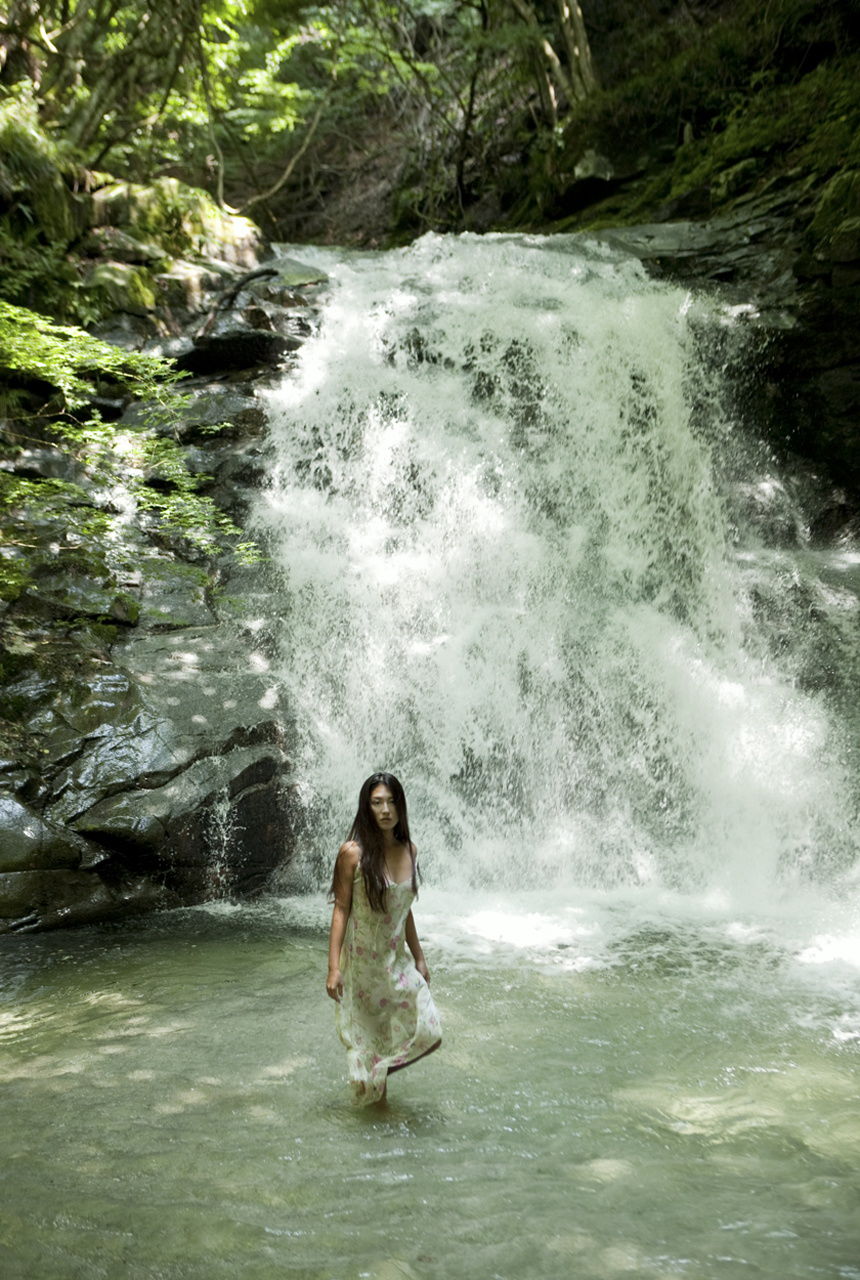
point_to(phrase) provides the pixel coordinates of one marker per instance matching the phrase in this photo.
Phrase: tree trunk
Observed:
(18, 58)
(577, 80)
(545, 62)
(577, 48)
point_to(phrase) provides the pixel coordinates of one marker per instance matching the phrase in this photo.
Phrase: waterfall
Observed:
(506, 516)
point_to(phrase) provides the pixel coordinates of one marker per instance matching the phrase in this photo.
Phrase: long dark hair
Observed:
(367, 835)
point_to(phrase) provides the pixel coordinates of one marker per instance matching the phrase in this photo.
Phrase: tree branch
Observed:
(294, 160)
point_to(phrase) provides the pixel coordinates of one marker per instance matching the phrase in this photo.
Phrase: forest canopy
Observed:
(233, 94)
(448, 113)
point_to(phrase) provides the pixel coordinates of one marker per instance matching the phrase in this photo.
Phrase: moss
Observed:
(812, 125)
(41, 217)
(63, 529)
(185, 220)
(15, 577)
(44, 223)
(700, 115)
(838, 201)
(123, 287)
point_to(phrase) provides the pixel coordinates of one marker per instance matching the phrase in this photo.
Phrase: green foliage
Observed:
(814, 124)
(760, 91)
(72, 361)
(37, 216)
(466, 100)
(119, 468)
(28, 157)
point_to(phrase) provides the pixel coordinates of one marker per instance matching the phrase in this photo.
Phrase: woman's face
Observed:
(383, 807)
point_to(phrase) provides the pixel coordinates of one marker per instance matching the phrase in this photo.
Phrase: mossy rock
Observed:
(183, 219)
(839, 201)
(63, 596)
(110, 242)
(32, 175)
(188, 286)
(729, 182)
(844, 242)
(123, 287)
(56, 211)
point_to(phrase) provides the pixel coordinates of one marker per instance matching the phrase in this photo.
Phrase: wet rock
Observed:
(154, 772)
(741, 247)
(45, 464)
(143, 760)
(78, 596)
(170, 594)
(218, 412)
(28, 843)
(181, 698)
(33, 900)
(122, 329)
(237, 348)
(224, 815)
(186, 288)
(288, 274)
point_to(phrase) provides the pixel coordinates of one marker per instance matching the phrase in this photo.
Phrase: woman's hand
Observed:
(421, 966)
(334, 984)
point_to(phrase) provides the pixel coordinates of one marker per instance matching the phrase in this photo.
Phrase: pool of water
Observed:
(620, 1093)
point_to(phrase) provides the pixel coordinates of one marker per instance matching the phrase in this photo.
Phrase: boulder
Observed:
(163, 781)
(237, 347)
(119, 246)
(34, 900)
(185, 289)
(123, 287)
(179, 217)
(29, 843)
(223, 814)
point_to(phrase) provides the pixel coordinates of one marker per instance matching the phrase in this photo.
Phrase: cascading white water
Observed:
(509, 577)
(510, 515)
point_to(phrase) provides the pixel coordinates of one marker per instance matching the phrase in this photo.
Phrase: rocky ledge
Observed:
(146, 744)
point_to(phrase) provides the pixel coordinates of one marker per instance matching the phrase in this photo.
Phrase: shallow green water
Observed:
(671, 1100)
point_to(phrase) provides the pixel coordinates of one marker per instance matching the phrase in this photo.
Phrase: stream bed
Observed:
(626, 1088)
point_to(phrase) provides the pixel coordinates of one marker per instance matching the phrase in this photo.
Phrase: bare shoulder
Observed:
(348, 855)
(413, 849)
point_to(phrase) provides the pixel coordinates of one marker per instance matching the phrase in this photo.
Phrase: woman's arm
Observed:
(411, 934)
(344, 871)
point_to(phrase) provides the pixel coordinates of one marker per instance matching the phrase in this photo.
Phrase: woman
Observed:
(386, 1017)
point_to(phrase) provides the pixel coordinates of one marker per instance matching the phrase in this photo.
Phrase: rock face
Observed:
(146, 759)
(163, 776)
(791, 254)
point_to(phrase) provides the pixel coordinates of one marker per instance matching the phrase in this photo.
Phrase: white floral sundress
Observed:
(386, 1017)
